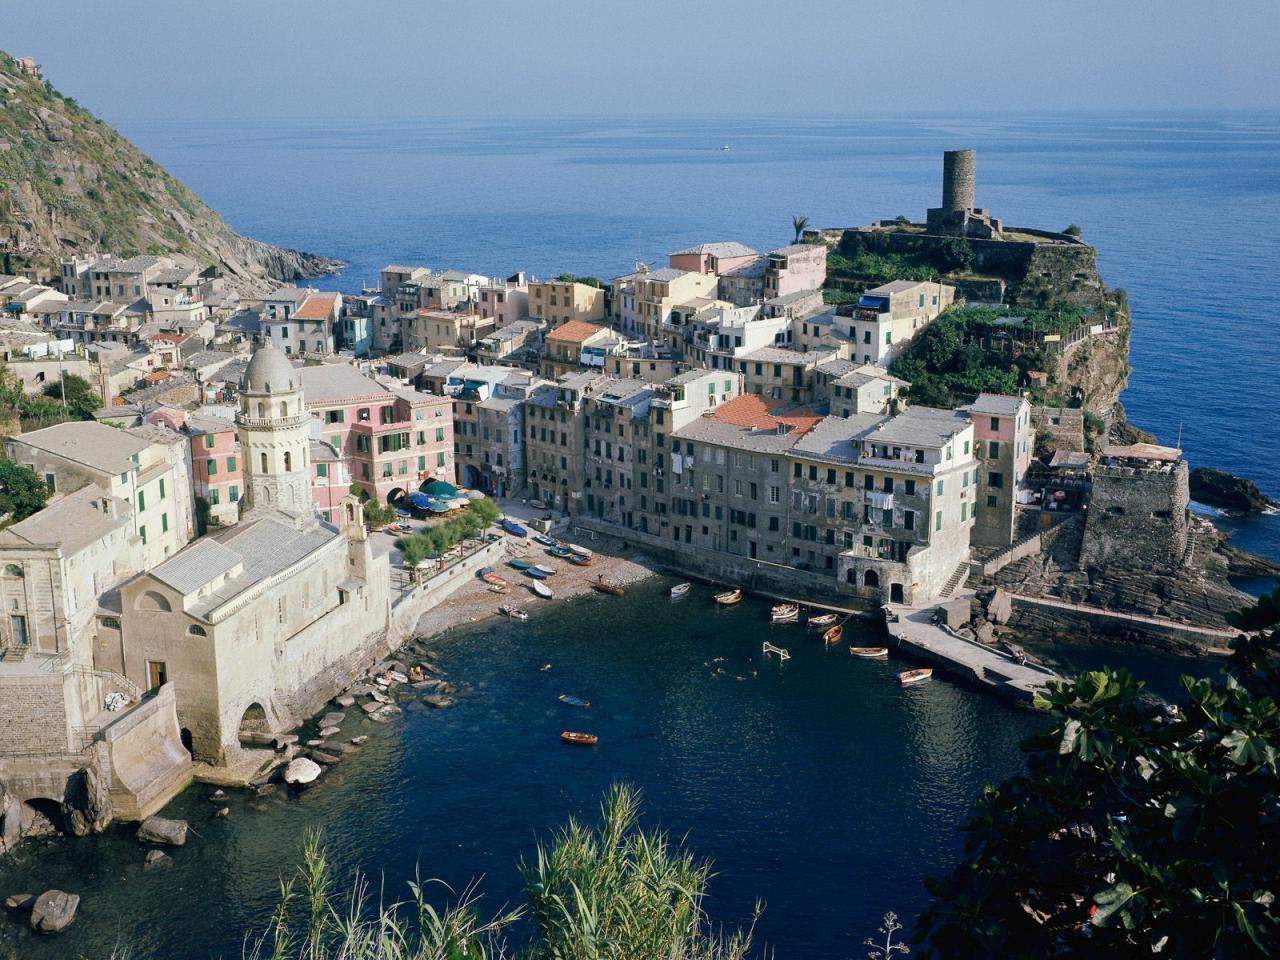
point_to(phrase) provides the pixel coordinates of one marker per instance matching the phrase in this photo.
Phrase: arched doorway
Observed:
(395, 496)
(895, 593)
(253, 725)
(41, 817)
(871, 579)
(187, 743)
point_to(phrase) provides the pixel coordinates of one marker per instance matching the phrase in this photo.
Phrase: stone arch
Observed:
(263, 460)
(871, 579)
(262, 410)
(253, 721)
(197, 631)
(41, 817)
(13, 570)
(284, 408)
(154, 600)
(188, 742)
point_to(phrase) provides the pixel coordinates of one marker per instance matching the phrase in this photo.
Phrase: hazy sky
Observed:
(233, 59)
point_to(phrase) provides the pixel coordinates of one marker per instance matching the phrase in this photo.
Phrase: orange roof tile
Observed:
(575, 331)
(756, 413)
(318, 306)
(157, 376)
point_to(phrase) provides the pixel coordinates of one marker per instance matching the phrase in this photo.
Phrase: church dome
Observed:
(269, 371)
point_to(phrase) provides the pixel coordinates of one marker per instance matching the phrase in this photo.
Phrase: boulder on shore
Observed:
(20, 901)
(345, 700)
(332, 719)
(154, 858)
(1217, 488)
(301, 772)
(53, 911)
(160, 830)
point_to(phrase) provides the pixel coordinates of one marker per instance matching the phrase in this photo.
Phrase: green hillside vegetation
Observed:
(70, 183)
(864, 260)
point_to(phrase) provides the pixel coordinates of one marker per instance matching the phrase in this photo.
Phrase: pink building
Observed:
(1005, 439)
(330, 479)
(392, 441)
(506, 301)
(217, 471)
(714, 258)
(800, 266)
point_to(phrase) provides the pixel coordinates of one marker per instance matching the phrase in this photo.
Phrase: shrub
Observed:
(1073, 230)
(22, 492)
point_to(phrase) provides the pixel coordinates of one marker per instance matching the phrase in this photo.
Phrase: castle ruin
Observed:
(958, 217)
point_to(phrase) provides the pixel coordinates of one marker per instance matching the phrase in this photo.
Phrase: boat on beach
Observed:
(515, 613)
(608, 586)
(542, 590)
(548, 570)
(833, 634)
(543, 539)
(499, 588)
(728, 597)
(513, 528)
(579, 739)
(488, 575)
(536, 572)
(518, 564)
(785, 613)
(679, 590)
(920, 675)
(579, 560)
(869, 653)
(823, 619)
(580, 551)
(559, 552)
(573, 701)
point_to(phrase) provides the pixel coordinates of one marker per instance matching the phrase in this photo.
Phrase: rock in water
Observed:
(20, 901)
(1217, 488)
(345, 700)
(154, 858)
(301, 771)
(87, 805)
(53, 911)
(172, 833)
(332, 719)
(329, 731)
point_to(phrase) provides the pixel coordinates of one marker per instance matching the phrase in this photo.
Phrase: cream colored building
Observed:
(557, 302)
(887, 317)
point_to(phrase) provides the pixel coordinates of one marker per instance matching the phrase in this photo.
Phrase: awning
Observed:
(438, 488)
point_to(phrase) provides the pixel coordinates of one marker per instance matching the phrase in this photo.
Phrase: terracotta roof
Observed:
(318, 306)
(575, 331)
(757, 413)
(157, 376)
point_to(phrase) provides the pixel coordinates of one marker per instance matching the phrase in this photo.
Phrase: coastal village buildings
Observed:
(576, 345)
(1005, 437)
(217, 469)
(886, 317)
(795, 268)
(506, 301)
(301, 321)
(445, 329)
(643, 301)
(557, 302)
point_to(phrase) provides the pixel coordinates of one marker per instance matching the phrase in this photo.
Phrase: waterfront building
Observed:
(506, 301)
(576, 345)
(299, 322)
(781, 373)
(391, 440)
(354, 331)
(644, 300)
(517, 341)
(557, 302)
(1005, 437)
(793, 268)
(444, 329)
(554, 434)
(1138, 517)
(887, 317)
(743, 285)
(712, 258)
(256, 625)
(146, 468)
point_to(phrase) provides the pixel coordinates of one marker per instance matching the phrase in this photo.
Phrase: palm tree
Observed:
(799, 223)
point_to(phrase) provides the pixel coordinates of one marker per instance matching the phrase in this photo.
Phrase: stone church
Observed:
(257, 625)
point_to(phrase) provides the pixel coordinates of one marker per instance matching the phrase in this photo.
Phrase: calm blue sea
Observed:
(1183, 211)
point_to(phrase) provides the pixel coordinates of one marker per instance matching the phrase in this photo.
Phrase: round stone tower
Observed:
(957, 179)
(275, 435)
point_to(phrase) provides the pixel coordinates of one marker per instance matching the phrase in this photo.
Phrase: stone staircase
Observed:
(13, 653)
(957, 580)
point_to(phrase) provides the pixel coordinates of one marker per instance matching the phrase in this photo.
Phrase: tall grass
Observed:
(609, 891)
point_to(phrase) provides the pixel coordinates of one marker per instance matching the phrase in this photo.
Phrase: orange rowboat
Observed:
(728, 598)
(869, 652)
(833, 634)
(580, 739)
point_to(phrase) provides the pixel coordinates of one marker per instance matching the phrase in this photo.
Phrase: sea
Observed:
(816, 786)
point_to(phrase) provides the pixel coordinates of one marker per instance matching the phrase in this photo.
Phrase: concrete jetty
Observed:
(914, 632)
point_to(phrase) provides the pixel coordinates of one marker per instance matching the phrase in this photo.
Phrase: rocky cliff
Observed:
(70, 184)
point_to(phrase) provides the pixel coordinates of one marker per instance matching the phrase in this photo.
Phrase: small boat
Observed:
(513, 528)
(908, 677)
(578, 560)
(543, 539)
(549, 571)
(517, 564)
(870, 653)
(728, 598)
(499, 588)
(785, 613)
(489, 575)
(580, 551)
(542, 590)
(833, 634)
(573, 701)
(536, 572)
(560, 553)
(580, 739)
(679, 590)
(823, 619)
(608, 586)
(515, 613)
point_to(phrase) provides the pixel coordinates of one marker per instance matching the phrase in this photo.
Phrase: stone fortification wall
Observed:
(1137, 518)
(143, 756)
(35, 714)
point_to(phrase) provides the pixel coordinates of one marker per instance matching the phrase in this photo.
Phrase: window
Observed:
(991, 500)
(213, 497)
(50, 481)
(164, 523)
(919, 456)
(939, 488)
(211, 467)
(209, 441)
(322, 470)
(995, 480)
(937, 520)
(909, 519)
(264, 461)
(142, 535)
(909, 487)
(964, 511)
(334, 416)
(142, 502)
(235, 494)
(995, 423)
(231, 464)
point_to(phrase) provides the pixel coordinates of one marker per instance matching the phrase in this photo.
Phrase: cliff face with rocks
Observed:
(69, 184)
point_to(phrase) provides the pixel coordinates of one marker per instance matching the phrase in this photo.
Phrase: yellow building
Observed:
(557, 302)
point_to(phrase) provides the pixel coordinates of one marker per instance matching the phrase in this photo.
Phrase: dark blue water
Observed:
(818, 786)
(1183, 211)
